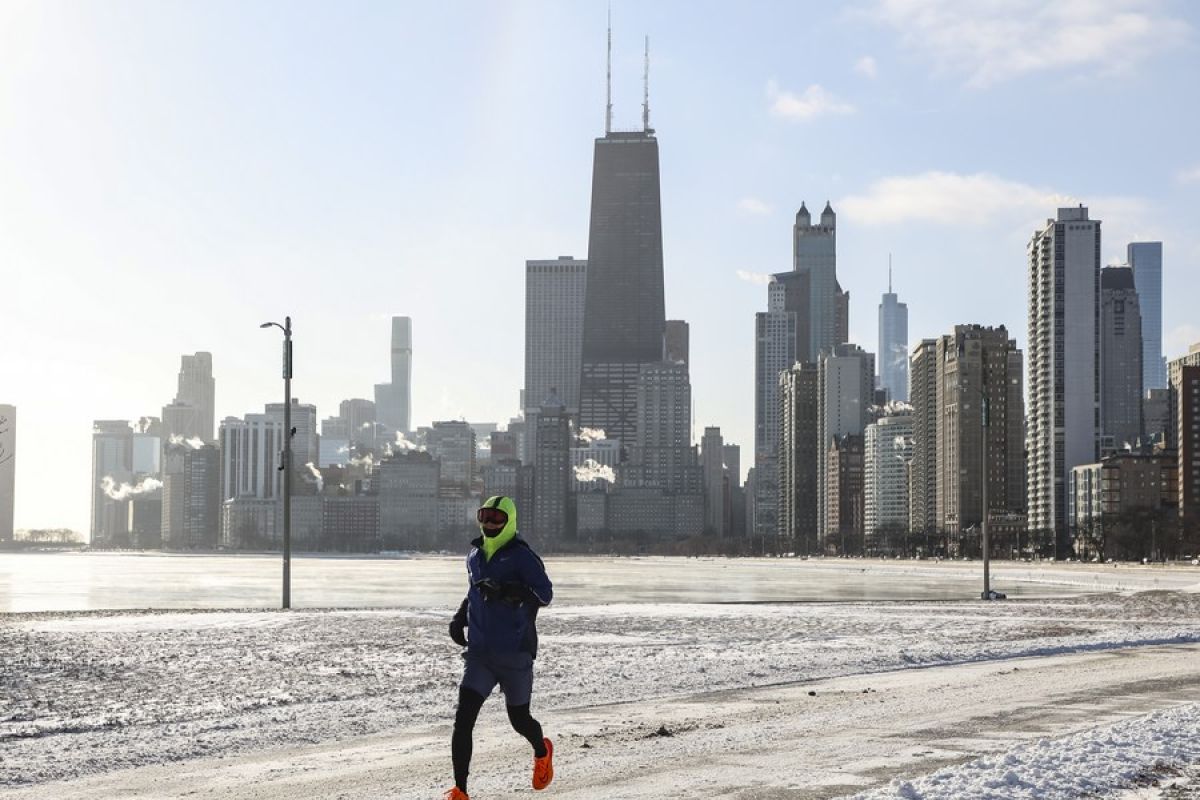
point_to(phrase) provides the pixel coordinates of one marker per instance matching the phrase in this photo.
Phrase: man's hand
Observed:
(458, 632)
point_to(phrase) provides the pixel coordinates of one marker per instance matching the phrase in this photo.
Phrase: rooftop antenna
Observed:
(646, 91)
(608, 78)
(889, 273)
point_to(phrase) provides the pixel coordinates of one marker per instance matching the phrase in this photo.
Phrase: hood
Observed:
(493, 543)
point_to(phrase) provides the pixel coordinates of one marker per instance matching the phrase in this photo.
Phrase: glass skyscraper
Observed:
(1146, 260)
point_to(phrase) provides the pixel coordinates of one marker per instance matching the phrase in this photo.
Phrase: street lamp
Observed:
(983, 523)
(286, 466)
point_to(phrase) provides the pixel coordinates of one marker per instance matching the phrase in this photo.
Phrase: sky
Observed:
(176, 173)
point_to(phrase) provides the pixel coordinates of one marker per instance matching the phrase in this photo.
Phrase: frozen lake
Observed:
(92, 581)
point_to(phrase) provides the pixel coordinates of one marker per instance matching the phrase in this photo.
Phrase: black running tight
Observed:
(461, 745)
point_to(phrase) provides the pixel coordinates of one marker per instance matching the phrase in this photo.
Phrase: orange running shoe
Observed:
(456, 794)
(543, 768)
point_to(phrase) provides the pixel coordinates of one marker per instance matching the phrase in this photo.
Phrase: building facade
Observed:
(798, 457)
(1145, 259)
(393, 401)
(555, 299)
(1120, 360)
(1064, 367)
(845, 391)
(887, 451)
(8, 470)
(893, 345)
(922, 492)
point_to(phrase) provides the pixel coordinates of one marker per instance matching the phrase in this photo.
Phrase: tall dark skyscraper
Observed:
(624, 316)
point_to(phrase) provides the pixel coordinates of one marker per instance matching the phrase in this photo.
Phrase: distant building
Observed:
(393, 401)
(1120, 359)
(8, 470)
(845, 389)
(845, 520)
(191, 499)
(408, 484)
(887, 451)
(193, 412)
(814, 249)
(1184, 377)
(112, 465)
(893, 345)
(977, 364)
(1156, 416)
(552, 475)
(145, 520)
(1145, 259)
(798, 457)
(452, 443)
(1064, 367)
(350, 523)
(662, 454)
(712, 448)
(676, 342)
(922, 493)
(555, 298)
(305, 442)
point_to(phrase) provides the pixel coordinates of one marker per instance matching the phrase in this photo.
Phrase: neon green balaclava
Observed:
(493, 543)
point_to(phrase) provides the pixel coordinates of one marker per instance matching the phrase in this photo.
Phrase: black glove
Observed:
(489, 588)
(514, 594)
(458, 632)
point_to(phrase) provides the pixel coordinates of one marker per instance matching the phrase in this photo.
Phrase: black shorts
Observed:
(512, 671)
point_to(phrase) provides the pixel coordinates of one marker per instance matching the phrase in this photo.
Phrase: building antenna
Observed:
(608, 78)
(889, 273)
(646, 91)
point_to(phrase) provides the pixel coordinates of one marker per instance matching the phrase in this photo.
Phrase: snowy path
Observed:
(774, 742)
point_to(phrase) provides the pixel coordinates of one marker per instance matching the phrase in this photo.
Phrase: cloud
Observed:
(752, 205)
(992, 42)
(978, 199)
(866, 66)
(1189, 175)
(814, 102)
(756, 278)
(1179, 339)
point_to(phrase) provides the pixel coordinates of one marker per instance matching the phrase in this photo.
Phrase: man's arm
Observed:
(458, 625)
(533, 575)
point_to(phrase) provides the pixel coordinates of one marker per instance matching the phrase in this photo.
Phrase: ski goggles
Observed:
(491, 516)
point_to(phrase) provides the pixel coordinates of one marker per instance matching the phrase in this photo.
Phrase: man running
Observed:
(496, 623)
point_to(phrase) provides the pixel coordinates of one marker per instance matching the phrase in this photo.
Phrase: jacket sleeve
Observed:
(533, 575)
(460, 616)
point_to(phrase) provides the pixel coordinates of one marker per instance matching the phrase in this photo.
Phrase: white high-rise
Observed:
(1064, 366)
(845, 389)
(555, 298)
(887, 449)
(393, 401)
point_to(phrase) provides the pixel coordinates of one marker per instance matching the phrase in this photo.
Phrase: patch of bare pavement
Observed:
(820, 739)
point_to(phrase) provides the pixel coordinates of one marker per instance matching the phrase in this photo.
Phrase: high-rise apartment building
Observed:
(1120, 360)
(393, 401)
(408, 484)
(251, 453)
(887, 450)
(624, 316)
(1183, 373)
(798, 457)
(922, 492)
(1064, 367)
(1145, 259)
(453, 443)
(712, 447)
(306, 444)
(893, 345)
(8, 470)
(845, 389)
(845, 524)
(978, 369)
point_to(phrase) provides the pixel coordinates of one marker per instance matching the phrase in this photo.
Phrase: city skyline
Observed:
(158, 249)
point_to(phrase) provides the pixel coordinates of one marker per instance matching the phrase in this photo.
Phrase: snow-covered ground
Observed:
(97, 703)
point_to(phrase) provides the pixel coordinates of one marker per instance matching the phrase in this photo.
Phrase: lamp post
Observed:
(286, 466)
(987, 561)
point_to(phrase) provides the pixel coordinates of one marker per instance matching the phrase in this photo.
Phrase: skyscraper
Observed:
(975, 363)
(887, 450)
(624, 316)
(814, 253)
(552, 473)
(662, 455)
(1145, 258)
(676, 342)
(193, 412)
(798, 456)
(922, 493)
(8, 470)
(112, 465)
(845, 389)
(893, 345)
(191, 497)
(1121, 353)
(393, 401)
(555, 297)
(712, 453)
(1064, 367)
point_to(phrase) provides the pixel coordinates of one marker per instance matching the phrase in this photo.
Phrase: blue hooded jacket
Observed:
(505, 621)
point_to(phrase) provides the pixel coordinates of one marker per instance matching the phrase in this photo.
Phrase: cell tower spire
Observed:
(889, 273)
(646, 90)
(608, 79)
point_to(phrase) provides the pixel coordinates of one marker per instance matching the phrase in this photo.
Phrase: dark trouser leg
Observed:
(469, 703)
(528, 727)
